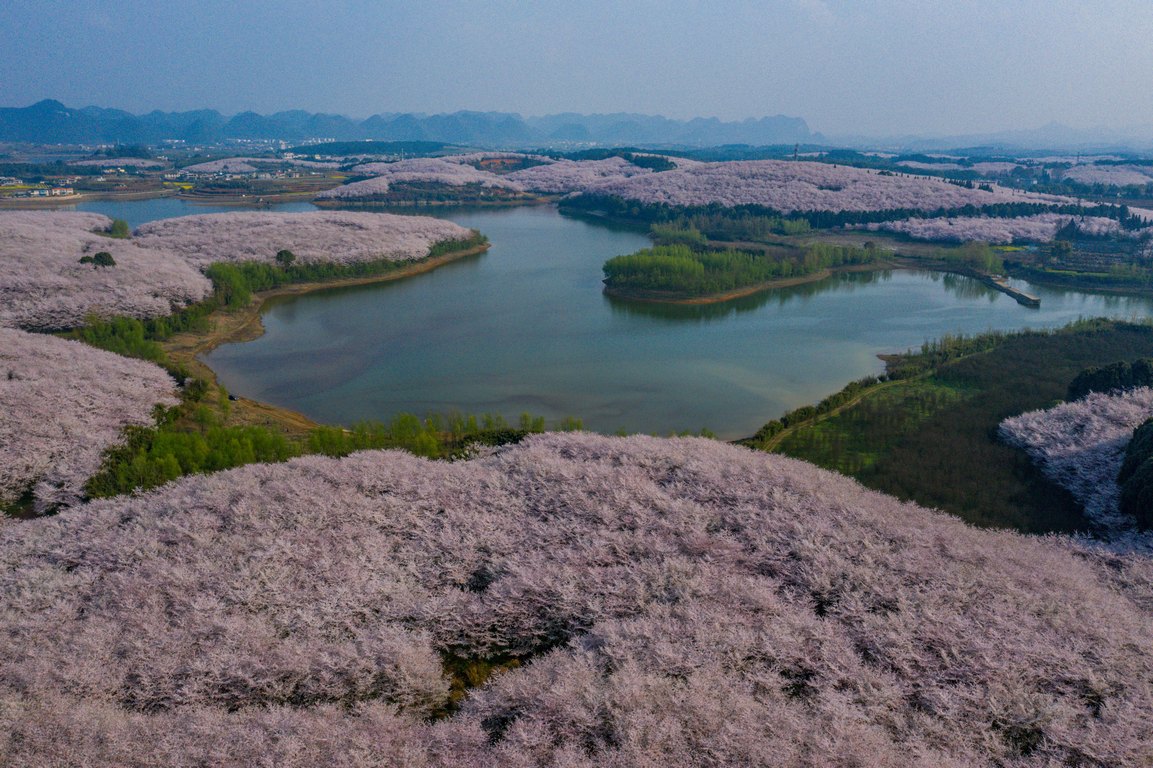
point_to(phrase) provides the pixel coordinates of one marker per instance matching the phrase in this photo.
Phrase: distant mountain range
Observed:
(51, 122)
(1052, 136)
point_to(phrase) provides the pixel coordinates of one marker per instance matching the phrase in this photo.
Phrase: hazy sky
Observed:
(875, 67)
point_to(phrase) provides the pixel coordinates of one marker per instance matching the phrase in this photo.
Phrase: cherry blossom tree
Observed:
(44, 285)
(1080, 445)
(807, 186)
(313, 236)
(1040, 228)
(62, 404)
(665, 600)
(566, 176)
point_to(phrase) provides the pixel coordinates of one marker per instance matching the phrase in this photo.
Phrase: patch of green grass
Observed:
(932, 438)
(852, 440)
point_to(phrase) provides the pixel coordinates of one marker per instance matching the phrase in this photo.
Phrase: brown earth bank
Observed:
(229, 326)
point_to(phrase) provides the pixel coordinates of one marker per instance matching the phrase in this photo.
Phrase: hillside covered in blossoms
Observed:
(1081, 446)
(331, 237)
(62, 404)
(44, 285)
(650, 600)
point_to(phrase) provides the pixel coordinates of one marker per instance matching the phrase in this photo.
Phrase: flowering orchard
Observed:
(660, 599)
(547, 175)
(1003, 231)
(43, 285)
(315, 236)
(807, 186)
(564, 176)
(1080, 445)
(62, 404)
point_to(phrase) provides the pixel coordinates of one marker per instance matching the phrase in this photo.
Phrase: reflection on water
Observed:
(965, 287)
(137, 212)
(526, 327)
(843, 282)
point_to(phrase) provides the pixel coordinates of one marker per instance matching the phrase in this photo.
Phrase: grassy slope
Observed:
(933, 440)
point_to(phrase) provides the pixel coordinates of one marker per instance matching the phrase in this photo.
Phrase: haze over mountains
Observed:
(50, 121)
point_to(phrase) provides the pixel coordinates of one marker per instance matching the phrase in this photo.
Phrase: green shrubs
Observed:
(683, 270)
(122, 335)
(1112, 377)
(191, 439)
(152, 456)
(1136, 476)
(805, 413)
(434, 436)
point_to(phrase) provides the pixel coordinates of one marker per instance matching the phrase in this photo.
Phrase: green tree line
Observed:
(192, 438)
(1112, 377)
(687, 271)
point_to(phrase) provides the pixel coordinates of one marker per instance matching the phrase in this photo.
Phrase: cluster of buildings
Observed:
(22, 191)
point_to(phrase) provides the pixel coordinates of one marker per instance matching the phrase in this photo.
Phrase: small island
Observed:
(702, 273)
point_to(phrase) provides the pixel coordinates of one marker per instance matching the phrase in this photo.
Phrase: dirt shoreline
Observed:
(228, 326)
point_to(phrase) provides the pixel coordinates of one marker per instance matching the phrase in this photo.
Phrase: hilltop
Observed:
(629, 601)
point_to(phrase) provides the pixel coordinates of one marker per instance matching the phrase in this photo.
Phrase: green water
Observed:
(525, 327)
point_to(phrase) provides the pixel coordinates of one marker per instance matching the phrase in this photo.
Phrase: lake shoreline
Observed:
(245, 324)
(34, 203)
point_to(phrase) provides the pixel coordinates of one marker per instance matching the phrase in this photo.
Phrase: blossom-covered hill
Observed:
(314, 236)
(43, 285)
(807, 186)
(546, 175)
(427, 170)
(1081, 445)
(1040, 228)
(671, 602)
(62, 404)
(564, 176)
(1110, 175)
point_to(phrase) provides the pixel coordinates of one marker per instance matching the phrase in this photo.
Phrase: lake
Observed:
(525, 328)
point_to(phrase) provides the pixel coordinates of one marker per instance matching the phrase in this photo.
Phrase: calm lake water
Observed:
(525, 328)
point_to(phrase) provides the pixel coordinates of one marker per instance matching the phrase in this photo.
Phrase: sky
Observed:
(863, 67)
